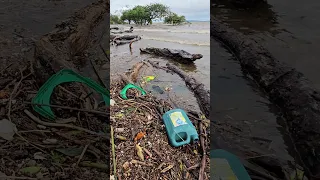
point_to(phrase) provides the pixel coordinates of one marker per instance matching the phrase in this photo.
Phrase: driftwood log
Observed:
(175, 54)
(202, 95)
(286, 87)
(125, 39)
(114, 28)
(58, 49)
(121, 32)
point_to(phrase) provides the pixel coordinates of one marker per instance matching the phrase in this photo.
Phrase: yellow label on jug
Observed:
(177, 119)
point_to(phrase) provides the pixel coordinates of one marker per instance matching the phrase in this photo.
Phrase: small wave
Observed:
(178, 41)
(176, 31)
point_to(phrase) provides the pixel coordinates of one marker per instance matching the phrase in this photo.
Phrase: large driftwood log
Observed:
(202, 95)
(286, 87)
(57, 49)
(175, 54)
(115, 28)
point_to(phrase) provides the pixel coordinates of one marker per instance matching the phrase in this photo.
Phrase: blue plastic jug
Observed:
(179, 128)
(224, 165)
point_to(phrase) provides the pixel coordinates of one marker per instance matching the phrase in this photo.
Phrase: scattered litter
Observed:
(123, 92)
(63, 76)
(148, 78)
(179, 128)
(112, 102)
(7, 129)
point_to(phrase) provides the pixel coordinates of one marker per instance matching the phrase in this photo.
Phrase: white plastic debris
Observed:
(112, 102)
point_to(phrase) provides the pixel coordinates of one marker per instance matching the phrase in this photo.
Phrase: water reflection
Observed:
(259, 18)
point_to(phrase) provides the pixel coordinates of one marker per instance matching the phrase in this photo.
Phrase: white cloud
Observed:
(191, 9)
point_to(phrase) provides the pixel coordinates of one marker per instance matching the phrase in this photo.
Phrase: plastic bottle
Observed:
(179, 128)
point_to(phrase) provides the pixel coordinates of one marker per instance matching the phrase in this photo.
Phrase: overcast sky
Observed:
(191, 9)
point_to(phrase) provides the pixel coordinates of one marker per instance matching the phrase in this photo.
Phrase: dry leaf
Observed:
(139, 136)
(4, 94)
(7, 129)
(167, 168)
(140, 152)
(126, 166)
(38, 155)
(121, 137)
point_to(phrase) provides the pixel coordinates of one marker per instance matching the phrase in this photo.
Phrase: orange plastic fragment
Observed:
(139, 136)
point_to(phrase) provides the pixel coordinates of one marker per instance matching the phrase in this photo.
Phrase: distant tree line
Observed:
(143, 15)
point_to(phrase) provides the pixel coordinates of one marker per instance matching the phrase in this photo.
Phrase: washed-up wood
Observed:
(175, 54)
(202, 95)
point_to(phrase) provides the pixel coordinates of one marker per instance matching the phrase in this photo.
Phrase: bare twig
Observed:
(113, 155)
(37, 120)
(104, 52)
(204, 156)
(70, 108)
(6, 68)
(14, 91)
(141, 163)
(95, 165)
(82, 154)
(193, 167)
(30, 142)
(15, 177)
(98, 74)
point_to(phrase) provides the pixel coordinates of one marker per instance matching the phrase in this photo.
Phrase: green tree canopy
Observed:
(174, 19)
(114, 19)
(143, 15)
(157, 10)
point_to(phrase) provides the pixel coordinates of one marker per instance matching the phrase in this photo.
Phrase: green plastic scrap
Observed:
(123, 92)
(63, 76)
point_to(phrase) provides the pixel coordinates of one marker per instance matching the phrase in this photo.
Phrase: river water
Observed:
(193, 38)
(291, 33)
